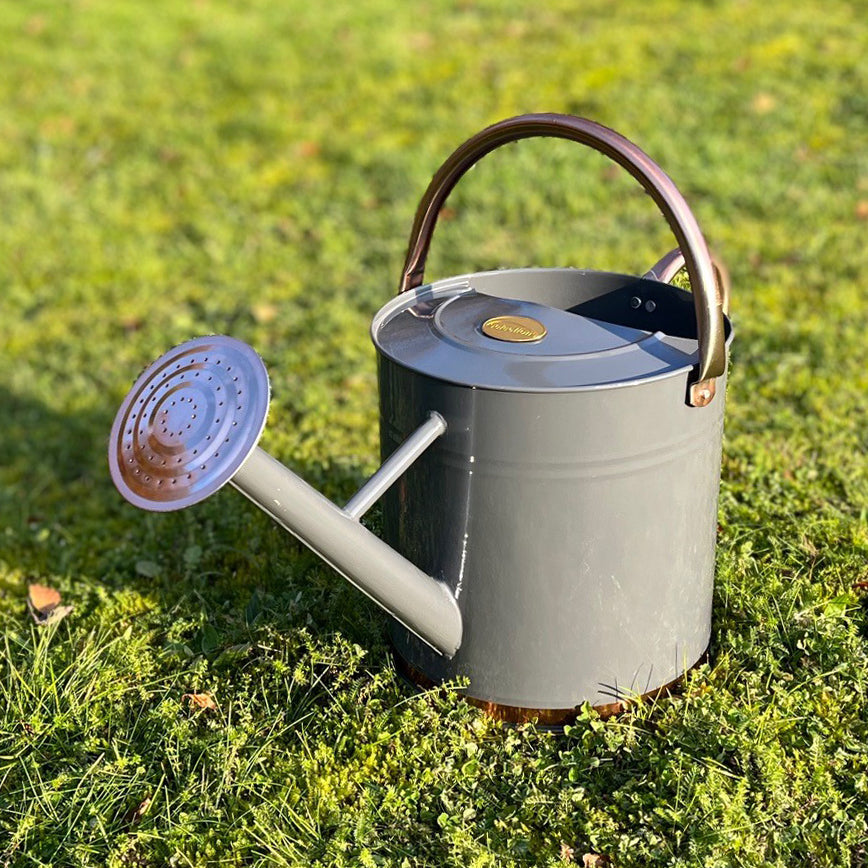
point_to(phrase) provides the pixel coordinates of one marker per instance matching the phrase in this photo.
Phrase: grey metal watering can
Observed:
(551, 453)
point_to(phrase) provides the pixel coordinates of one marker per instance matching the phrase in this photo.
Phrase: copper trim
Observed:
(548, 717)
(701, 393)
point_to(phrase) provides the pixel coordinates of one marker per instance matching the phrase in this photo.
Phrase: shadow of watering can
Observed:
(551, 459)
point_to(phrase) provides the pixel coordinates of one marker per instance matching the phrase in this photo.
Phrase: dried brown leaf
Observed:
(264, 312)
(136, 815)
(42, 599)
(44, 605)
(309, 149)
(595, 860)
(203, 701)
(763, 103)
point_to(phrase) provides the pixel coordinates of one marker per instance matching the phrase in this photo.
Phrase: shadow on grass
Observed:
(62, 521)
(37, 442)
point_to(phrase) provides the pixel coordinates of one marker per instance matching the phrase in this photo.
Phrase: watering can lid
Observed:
(458, 334)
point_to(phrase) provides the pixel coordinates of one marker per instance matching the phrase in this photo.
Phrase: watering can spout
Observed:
(191, 423)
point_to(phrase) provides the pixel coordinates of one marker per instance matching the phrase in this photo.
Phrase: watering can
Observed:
(551, 443)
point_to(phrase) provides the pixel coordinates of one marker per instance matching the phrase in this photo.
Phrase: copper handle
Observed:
(709, 316)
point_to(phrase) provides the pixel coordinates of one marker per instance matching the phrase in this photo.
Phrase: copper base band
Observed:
(547, 717)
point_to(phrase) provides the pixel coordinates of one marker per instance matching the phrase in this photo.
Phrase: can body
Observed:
(575, 528)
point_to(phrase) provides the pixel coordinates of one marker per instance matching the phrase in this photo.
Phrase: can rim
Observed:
(461, 284)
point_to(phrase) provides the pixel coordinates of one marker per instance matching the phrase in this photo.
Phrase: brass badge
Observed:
(519, 329)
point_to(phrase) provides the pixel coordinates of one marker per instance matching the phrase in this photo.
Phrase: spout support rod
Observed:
(190, 424)
(395, 465)
(421, 603)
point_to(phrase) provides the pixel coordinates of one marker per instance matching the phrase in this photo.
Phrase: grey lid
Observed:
(437, 330)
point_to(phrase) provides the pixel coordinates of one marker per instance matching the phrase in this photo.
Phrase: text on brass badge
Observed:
(518, 329)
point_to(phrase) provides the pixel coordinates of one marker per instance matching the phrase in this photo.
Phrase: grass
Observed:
(168, 170)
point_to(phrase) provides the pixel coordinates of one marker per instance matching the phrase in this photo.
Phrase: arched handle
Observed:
(709, 317)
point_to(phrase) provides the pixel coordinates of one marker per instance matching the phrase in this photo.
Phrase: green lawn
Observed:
(170, 169)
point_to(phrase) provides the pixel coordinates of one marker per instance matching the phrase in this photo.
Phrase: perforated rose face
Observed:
(188, 423)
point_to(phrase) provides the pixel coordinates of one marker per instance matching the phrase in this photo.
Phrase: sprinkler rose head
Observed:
(188, 424)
